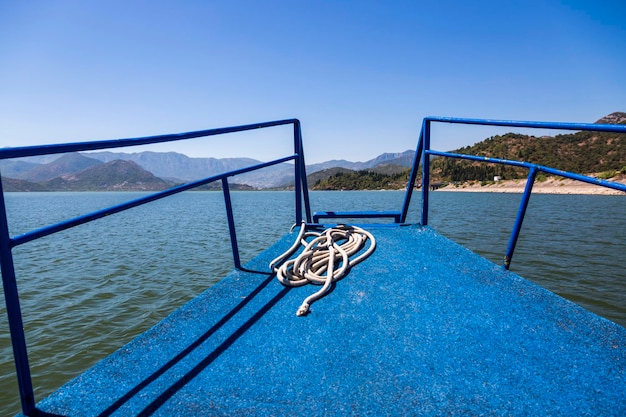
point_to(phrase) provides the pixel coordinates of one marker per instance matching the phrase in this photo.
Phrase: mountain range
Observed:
(108, 171)
(99, 171)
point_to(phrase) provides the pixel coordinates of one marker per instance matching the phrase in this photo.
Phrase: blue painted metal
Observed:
(57, 227)
(583, 178)
(302, 173)
(25, 151)
(425, 170)
(7, 242)
(14, 312)
(298, 163)
(517, 227)
(302, 209)
(422, 327)
(395, 215)
(412, 177)
(231, 223)
(530, 124)
(534, 168)
(481, 159)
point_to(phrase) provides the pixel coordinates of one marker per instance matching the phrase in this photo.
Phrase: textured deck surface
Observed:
(422, 327)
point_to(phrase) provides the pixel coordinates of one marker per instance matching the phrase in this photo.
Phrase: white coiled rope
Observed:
(328, 253)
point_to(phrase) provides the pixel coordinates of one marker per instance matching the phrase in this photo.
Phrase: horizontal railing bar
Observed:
(25, 151)
(583, 178)
(356, 215)
(481, 158)
(527, 124)
(590, 180)
(7, 243)
(64, 225)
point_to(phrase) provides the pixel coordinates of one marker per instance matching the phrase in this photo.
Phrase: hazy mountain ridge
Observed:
(177, 167)
(66, 164)
(116, 175)
(12, 185)
(170, 167)
(601, 153)
(583, 152)
(399, 158)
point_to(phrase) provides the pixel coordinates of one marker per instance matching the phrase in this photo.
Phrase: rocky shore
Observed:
(551, 185)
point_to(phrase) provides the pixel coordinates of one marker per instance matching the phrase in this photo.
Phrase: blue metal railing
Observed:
(423, 153)
(7, 243)
(302, 205)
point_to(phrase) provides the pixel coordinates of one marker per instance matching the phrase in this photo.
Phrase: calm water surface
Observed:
(87, 291)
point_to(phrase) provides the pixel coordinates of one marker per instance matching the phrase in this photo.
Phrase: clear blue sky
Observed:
(360, 75)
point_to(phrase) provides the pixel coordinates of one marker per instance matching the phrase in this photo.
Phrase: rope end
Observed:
(303, 310)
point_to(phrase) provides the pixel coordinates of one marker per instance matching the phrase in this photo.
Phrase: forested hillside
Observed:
(593, 153)
(362, 180)
(582, 152)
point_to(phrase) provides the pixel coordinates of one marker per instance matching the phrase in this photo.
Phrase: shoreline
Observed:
(550, 186)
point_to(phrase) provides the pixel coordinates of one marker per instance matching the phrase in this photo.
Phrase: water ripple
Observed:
(87, 291)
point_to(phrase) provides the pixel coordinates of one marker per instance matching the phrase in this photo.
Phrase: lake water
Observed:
(87, 291)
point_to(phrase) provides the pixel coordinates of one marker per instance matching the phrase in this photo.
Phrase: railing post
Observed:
(305, 185)
(14, 313)
(297, 173)
(520, 217)
(231, 223)
(413, 177)
(425, 171)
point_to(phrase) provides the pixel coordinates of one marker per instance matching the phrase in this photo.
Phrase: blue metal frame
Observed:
(7, 243)
(14, 312)
(424, 152)
(302, 204)
(395, 215)
(413, 176)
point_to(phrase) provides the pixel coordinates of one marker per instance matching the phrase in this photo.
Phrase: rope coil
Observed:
(324, 260)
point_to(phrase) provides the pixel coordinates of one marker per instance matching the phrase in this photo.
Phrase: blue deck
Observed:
(422, 327)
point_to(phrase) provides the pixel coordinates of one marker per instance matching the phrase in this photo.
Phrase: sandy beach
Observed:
(552, 185)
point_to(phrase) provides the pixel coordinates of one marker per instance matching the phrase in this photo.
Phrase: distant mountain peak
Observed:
(65, 164)
(117, 175)
(616, 118)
